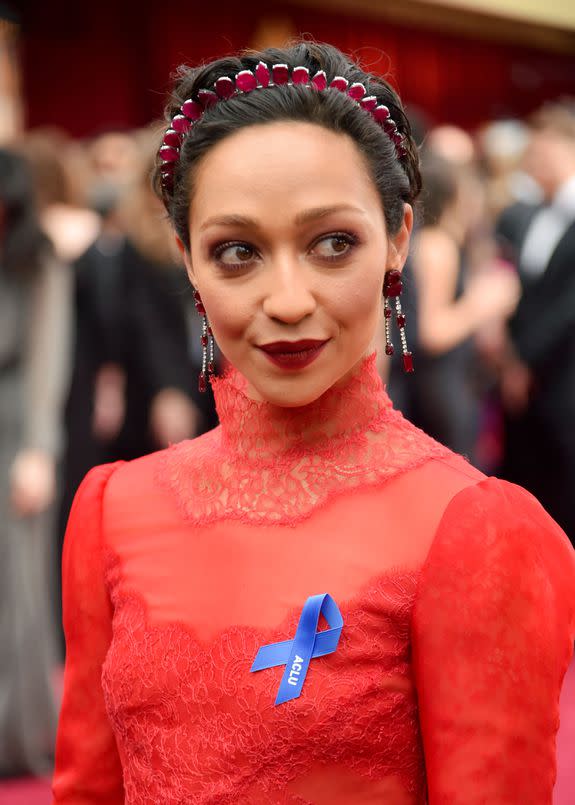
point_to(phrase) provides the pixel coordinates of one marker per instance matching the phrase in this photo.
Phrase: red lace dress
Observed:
(457, 594)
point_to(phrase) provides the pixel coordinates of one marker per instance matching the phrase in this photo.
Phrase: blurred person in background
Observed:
(34, 349)
(95, 406)
(454, 305)
(538, 376)
(58, 180)
(502, 147)
(165, 405)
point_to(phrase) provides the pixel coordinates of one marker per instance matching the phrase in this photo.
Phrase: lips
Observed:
(293, 354)
(290, 347)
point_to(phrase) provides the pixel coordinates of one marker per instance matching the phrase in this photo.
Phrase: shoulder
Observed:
(142, 484)
(432, 241)
(496, 536)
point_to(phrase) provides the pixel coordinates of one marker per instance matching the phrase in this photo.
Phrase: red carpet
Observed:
(37, 792)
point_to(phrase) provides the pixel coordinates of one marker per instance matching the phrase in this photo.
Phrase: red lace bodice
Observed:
(456, 594)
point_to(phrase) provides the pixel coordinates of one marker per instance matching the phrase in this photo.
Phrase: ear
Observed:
(187, 258)
(399, 243)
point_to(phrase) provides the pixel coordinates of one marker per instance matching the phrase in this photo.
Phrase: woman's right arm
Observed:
(88, 768)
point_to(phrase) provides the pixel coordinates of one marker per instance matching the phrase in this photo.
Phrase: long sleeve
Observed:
(47, 356)
(88, 769)
(493, 628)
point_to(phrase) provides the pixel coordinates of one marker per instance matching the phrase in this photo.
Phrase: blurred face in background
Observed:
(550, 159)
(115, 163)
(288, 250)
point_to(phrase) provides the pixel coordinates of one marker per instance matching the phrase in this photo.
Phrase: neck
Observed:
(261, 430)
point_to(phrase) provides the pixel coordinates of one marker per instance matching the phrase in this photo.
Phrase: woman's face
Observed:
(288, 251)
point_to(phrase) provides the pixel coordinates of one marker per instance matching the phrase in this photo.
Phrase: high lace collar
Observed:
(271, 465)
(261, 431)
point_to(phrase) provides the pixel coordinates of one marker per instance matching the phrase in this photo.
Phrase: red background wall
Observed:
(100, 63)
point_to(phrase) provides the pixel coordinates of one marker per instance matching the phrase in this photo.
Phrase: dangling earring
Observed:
(392, 287)
(207, 346)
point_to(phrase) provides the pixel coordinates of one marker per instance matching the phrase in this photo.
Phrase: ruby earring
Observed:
(207, 345)
(392, 287)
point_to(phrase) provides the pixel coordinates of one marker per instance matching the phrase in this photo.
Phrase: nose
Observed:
(289, 298)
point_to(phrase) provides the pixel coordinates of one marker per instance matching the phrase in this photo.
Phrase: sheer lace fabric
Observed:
(267, 464)
(456, 593)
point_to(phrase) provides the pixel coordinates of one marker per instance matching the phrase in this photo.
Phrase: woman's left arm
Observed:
(46, 370)
(493, 629)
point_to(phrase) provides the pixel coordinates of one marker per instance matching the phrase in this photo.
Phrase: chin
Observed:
(294, 391)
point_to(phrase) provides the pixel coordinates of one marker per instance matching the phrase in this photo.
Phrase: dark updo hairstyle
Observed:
(397, 181)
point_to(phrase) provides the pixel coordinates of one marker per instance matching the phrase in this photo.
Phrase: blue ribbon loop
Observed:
(296, 654)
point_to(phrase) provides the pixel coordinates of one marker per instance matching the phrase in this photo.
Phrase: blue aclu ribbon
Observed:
(296, 654)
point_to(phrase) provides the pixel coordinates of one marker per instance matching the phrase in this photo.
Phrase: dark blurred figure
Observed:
(34, 333)
(454, 305)
(538, 380)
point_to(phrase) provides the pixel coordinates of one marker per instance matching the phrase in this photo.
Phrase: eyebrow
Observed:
(304, 217)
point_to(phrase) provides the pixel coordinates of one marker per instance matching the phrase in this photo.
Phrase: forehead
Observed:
(281, 165)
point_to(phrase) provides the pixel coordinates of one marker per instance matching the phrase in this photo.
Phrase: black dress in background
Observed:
(441, 396)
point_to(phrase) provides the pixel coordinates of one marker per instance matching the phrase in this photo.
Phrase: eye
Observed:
(234, 255)
(334, 246)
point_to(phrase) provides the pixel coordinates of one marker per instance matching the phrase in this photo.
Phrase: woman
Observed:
(448, 596)
(455, 305)
(34, 331)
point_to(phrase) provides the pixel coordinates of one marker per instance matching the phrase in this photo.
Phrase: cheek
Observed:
(228, 314)
(359, 302)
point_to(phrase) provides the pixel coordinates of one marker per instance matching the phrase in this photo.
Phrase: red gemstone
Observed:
(407, 358)
(300, 75)
(204, 340)
(168, 154)
(209, 330)
(211, 368)
(225, 87)
(202, 385)
(389, 127)
(199, 304)
(172, 138)
(319, 81)
(339, 83)
(401, 320)
(192, 110)
(356, 91)
(389, 349)
(397, 138)
(401, 151)
(181, 124)
(381, 113)
(246, 81)
(280, 73)
(262, 72)
(207, 98)
(387, 313)
(368, 103)
(392, 285)
(169, 167)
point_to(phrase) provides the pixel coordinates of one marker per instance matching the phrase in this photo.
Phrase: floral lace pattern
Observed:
(194, 726)
(267, 464)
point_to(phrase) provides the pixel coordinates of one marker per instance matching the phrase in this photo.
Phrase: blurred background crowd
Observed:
(99, 344)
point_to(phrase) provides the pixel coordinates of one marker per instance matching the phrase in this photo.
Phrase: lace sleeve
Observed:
(88, 769)
(493, 629)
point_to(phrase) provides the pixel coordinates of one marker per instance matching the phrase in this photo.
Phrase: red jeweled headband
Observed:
(263, 76)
